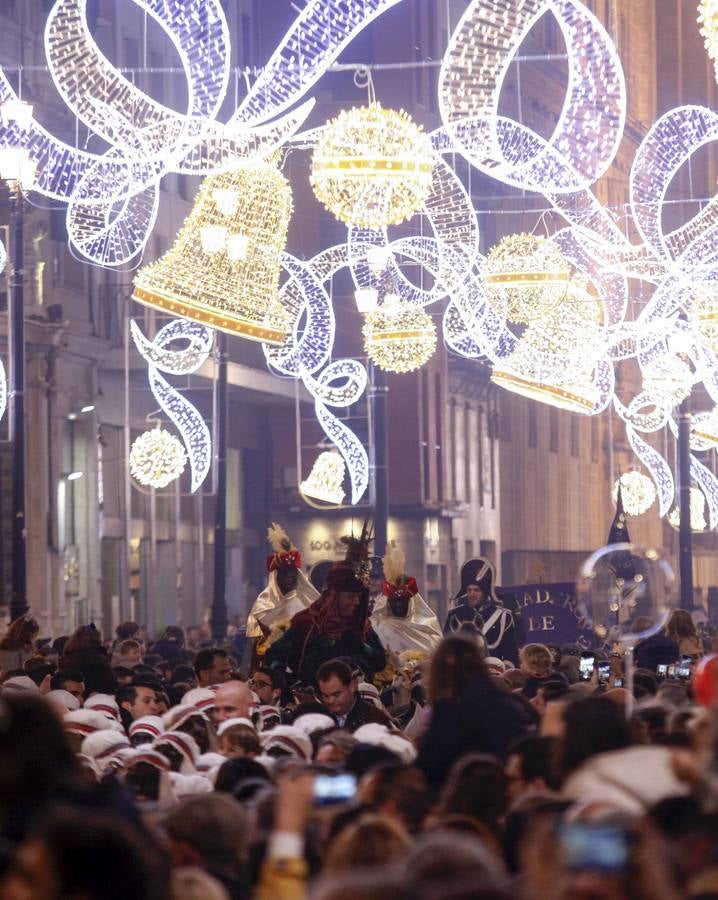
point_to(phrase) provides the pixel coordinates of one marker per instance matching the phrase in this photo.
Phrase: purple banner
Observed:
(548, 614)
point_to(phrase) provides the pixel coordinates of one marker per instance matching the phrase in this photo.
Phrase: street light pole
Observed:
(18, 599)
(685, 534)
(218, 614)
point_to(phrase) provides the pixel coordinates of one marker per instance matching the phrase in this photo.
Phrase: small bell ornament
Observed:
(326, 479)
(224, 267)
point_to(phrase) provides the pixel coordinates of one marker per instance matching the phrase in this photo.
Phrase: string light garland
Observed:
(638, 492)
(372, 167)
(157, 458)
(224, 267)
(326, 479)
(526, 277)
(399, 338)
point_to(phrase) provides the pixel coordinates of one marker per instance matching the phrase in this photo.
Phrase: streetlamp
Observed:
(17, 170)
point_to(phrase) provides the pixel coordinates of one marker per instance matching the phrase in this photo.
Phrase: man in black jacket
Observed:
(338, 691)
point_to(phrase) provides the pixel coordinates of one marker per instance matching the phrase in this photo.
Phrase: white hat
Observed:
(237, 720)
(20, 683)
(209, 762)
(493, 662)
(87, 721)
(101, 746)
(151, 725)
(189, 785)
(63, 698)
(179, 714)
(105, 704)
(369, 693)
(201, 698)
(310, 723)
(289, 739)
(380, 736)
(186, 745)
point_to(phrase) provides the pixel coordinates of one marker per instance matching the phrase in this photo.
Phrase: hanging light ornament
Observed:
(638, 492)
(708, 20)
(703, 313)
(704, 430)
(157, 458)
(326, 479)
(372, 167)
(224, 267)
(400, 337)
(668, 380)
(698, 517)
(526, 277)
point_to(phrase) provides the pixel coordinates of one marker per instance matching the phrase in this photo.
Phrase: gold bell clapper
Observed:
(224, 267)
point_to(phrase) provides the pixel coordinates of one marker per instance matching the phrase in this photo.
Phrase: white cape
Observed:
(419, 630)
(272, 606)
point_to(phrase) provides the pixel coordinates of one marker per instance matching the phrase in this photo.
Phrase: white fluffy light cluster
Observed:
(638, 493)
(399, 338)
(157, 458)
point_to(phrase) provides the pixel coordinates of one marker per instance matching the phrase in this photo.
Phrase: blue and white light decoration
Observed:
(112, 200)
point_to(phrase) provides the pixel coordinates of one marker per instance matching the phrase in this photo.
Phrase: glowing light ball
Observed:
(638, 492)
(399, 338)
(372, 167)
(526, 277)
(157, 458)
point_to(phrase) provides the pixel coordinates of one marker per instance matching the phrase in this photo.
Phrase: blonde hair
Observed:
(537, 657)
(373, 840)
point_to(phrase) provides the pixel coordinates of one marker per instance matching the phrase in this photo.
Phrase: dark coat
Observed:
(485, 719)
(365, 713)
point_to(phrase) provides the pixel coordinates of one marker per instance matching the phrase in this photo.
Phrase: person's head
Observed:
(397, 790)
(371, 840)
(237, 741)
(591, 726)
(212, 666)
(337, 686)
(398, 602)
(455, 662)
(529, 767)
(536, 660)
(41, 673)
(139, 700)
(88, 855)
(474, 595)
(209, 831)
(333, 749)
(268, 685)
(680, 626)
(287, 578)
(21, 634)
(347, 604)
(131, 651)
(476, 787)
(172, 634)
(235, 772)
(128, 631)
(233, 700)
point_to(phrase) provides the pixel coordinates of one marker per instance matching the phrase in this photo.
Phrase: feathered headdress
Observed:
(396, 581)
(285, 553)
(354, 571)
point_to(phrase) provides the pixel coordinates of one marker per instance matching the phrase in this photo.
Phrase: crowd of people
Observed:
(347, 747)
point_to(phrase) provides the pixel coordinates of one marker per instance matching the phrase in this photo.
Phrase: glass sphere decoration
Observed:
(399, 338)
(638, 492)
(526, 277)
(372, 167)
(698, 512)
(157, 458)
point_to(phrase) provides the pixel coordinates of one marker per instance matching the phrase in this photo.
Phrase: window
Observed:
(574, 436)
(594, 439)
(467, 452)
(438, 458)
(553, 429)
(533, 425)
(480, 444)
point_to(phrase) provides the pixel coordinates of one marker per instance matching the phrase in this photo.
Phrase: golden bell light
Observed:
(224, 267)
(325, 481)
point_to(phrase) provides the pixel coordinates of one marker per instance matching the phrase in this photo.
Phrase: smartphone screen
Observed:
(604, 672)
(586, 667)
(618, 682)
(330, 789)
(596, 848)
(662, 670)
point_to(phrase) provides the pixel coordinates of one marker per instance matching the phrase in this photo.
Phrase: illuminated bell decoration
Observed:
(703, 312)
(708, 20)
(224, 267)
(400, 337)
(526, 277)
(326, 479)
(698, 518)
(638, 492)
(669, 380)
(157, 458)
(372, 167)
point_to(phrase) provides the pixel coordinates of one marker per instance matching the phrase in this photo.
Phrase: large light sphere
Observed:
(638, 492)
(526, 277)
(372, 167)
(698, 515)
(157, 458)
(399, 338)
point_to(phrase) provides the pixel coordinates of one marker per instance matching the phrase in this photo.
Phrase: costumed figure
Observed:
(337, 624)
(288, 589)
(402, 618)
(477, 608)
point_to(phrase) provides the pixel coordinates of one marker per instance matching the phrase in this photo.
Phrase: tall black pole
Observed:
(218, 615)
(18, 599)
(380, 423)
(684, 497)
